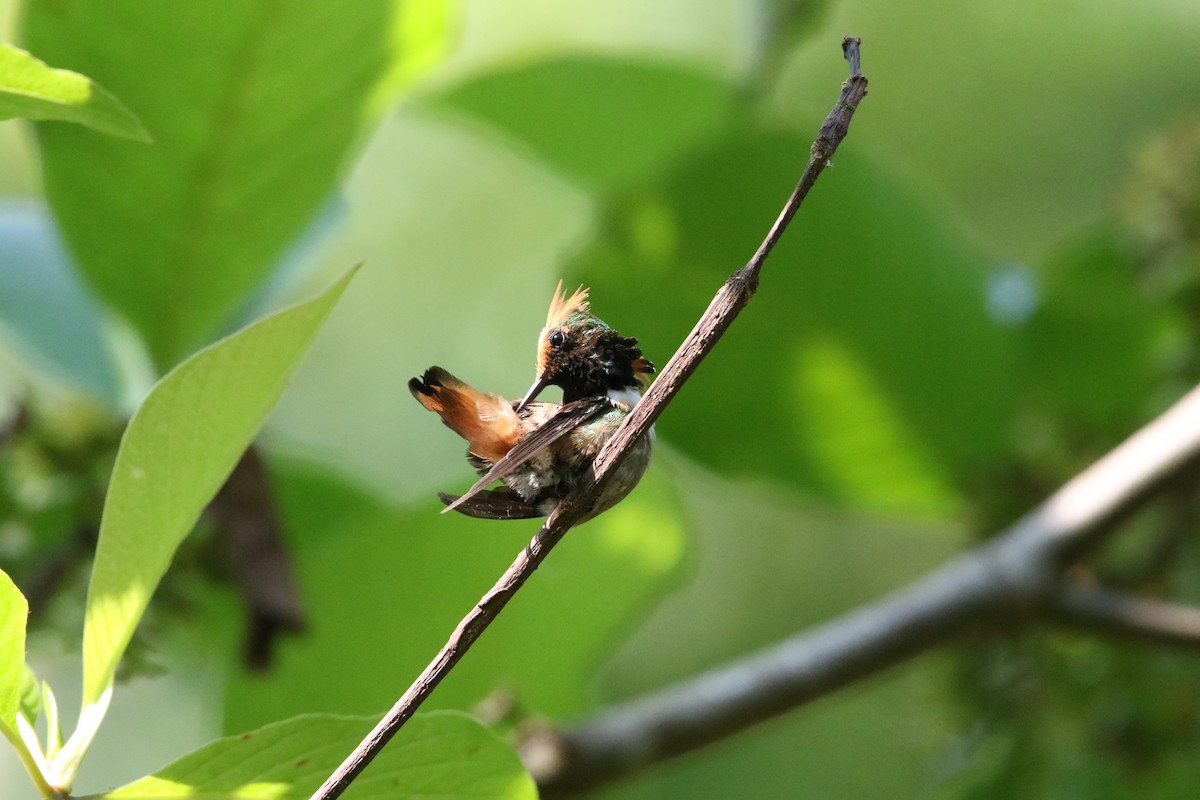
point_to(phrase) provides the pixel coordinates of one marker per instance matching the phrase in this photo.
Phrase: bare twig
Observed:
(1014, 577)
(731, 298)
(741, 285)
(1108, 611)
(469, 629)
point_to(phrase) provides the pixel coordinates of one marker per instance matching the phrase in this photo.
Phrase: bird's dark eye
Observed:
(557, 339)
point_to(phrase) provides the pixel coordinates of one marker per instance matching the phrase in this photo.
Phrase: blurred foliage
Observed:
(537, 654)
(1114, 339)
(868, 280)
(997, 281)
(1020, 115)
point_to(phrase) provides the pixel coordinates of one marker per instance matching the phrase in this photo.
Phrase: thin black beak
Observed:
(534, 391)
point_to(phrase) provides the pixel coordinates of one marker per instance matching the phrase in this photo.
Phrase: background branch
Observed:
(1107, 611)
(1014, 577)
(724, 308)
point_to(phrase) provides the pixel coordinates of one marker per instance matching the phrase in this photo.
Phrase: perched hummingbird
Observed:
(542, 451)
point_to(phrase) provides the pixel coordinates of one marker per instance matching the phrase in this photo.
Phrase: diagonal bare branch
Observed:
(730, 299)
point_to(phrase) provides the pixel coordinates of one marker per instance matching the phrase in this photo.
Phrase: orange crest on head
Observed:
(562, 306)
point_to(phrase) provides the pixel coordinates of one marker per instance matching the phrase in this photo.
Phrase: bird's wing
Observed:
(568, 418)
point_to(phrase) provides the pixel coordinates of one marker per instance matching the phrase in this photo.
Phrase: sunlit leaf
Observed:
(179, 447)
(253, 107)
(441, 754)
(29, 89)
(14, 613)
(422, 35)
(862, 449)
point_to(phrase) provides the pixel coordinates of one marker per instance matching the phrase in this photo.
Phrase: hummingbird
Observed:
(541, 451)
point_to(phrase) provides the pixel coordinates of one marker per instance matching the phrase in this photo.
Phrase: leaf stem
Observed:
(30, 760)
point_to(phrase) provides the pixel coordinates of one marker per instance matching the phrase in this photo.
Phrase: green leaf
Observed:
(423, 34)
(29, 89)
(1088, 350)
(178, 449)
(31, 694)
(606, 122)
(870, 340)
(254, 108)
(14, 613)
(866, 451)
(440, 754)
(15, 681)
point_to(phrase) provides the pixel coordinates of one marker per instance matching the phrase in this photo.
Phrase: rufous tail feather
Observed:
(486, 421)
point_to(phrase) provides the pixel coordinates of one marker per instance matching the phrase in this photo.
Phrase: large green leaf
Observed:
(179, 447)
(442, 754)
(29, 89)
(423, 34)
(425, 570)
(606, 122)
(868, 366)
(253, 105)
(1089, 347)
(14, 613)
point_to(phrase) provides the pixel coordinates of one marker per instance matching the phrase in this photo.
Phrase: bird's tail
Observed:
(486, 421)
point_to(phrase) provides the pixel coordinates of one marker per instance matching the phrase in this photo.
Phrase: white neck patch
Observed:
(628, 398)
(625, 397)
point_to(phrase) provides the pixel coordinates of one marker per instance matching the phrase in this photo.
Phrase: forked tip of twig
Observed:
(850, 49)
